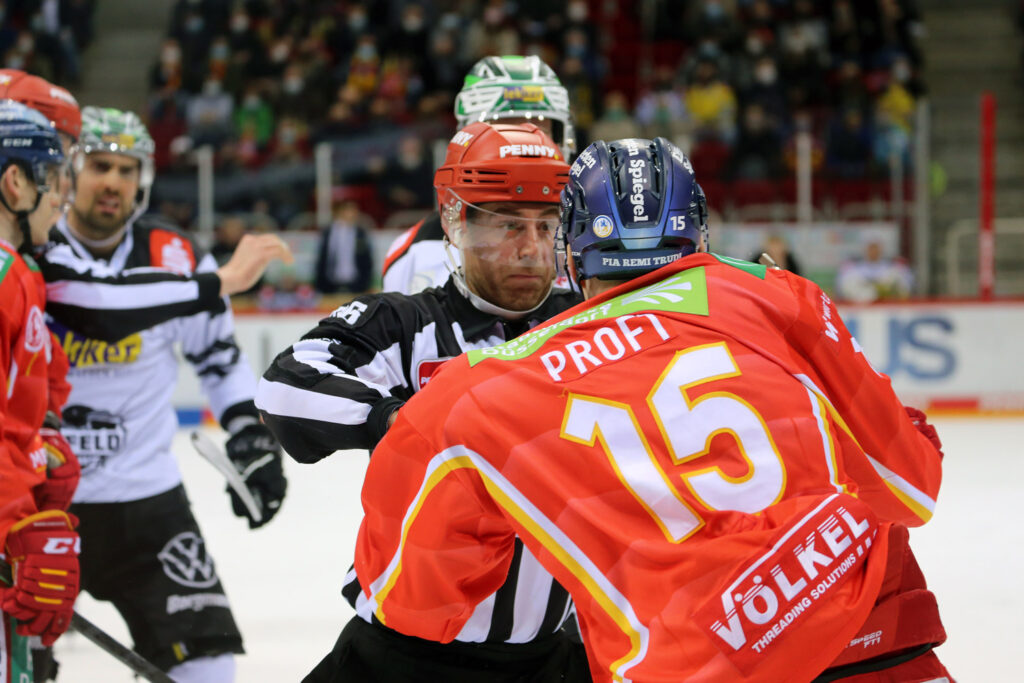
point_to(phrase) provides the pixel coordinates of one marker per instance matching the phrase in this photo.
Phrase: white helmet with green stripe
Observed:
(105, 129)
(516, 87)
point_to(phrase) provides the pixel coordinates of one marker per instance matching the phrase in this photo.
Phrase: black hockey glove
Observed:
(257, 457)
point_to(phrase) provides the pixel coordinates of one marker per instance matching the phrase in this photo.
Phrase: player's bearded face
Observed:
(508, 252)
(105, 190)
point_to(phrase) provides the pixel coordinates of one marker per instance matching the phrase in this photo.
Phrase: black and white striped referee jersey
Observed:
(336, 387)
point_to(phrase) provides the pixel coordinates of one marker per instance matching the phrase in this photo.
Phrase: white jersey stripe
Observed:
(288, 401)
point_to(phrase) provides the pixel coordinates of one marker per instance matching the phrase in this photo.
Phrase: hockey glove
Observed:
(62, 472)
(920, 421)
(256, 455)
(43, 552)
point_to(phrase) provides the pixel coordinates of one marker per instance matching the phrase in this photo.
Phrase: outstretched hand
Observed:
(251, 258)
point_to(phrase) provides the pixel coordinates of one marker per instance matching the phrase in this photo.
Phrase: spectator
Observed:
(778, 250)
(662, 112)
(848, 145)
(407, 178)
(712, 103)
(765, 91)
(255, 115)
(209, 115)
(874, 278)
(288, 293)
(344, 258)
(758, 152)
(226, 236)
(615, 123)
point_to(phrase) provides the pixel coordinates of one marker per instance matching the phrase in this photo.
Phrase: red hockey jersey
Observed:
(26, 356)
(703, 457)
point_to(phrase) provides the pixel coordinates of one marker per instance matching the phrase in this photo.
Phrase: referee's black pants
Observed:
(371, 653)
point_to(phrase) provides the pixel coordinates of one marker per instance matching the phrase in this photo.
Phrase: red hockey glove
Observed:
(62, 472)
(43, 552)
(920, 421)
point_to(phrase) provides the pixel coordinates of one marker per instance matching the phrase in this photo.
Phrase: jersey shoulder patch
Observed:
(170, 250)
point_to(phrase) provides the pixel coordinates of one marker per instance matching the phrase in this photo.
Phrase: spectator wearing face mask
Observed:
(208, 115)
(765, 91)
(407, 179)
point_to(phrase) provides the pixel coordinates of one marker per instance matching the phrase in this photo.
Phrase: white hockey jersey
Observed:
(119, 418)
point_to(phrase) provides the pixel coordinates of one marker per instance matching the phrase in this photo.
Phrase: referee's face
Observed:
(508, 252)
(105, 189)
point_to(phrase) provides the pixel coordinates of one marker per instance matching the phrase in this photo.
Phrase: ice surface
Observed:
(284, 580)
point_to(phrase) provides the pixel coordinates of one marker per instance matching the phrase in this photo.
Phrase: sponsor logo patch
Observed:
(603, 226)
(807, 564)
(36, 333)
(533, 94)
(185, 561)
(196, 602)
(426, 369)
(528, 151)
(83, 352)
(171, 251)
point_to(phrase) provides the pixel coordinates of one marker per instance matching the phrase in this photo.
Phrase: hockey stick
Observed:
(216, 456)
(133, 660)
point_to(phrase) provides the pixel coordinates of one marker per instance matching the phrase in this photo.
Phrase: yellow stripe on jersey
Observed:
(518, 506)
(916, 500)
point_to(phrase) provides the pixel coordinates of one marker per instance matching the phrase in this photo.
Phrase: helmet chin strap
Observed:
(480, 303)
(26, 246)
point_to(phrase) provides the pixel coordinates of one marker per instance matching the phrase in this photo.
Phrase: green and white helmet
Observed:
(516, 87)
(105, 129)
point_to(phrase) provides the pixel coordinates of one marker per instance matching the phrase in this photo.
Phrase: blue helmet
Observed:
(630, 207)
(29, 140)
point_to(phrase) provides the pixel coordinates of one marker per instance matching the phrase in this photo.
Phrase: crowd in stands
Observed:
(46, 37)
(732, 81)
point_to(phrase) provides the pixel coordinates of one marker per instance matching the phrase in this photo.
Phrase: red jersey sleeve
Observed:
(59, 388)
(431, 545)
(17, 439)
(903, 474)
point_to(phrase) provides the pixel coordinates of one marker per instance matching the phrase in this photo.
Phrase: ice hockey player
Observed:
(700, 453)
(509, 89)
(38, 536)
(341, 385)
(143, 550)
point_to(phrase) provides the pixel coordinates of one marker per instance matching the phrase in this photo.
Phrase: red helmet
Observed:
(52, 101)
(499, 163)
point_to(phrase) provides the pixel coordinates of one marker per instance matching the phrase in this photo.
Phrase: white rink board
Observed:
(933, 352)
(284, 580)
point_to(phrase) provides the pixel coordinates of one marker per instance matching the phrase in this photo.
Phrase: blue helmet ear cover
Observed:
(631, 206)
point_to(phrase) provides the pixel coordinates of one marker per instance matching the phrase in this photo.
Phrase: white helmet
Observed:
(516, 87)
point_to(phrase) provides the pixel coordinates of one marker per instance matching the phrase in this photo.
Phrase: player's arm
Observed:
(208, 343)
(16, 500)
(337, 387)
(905, 463)
(410, 494)
(89, 297)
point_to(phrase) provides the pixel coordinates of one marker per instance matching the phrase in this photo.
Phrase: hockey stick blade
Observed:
(133, 660)
(214, 455)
